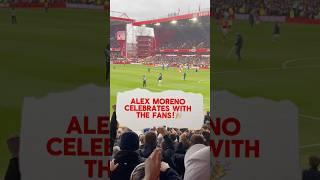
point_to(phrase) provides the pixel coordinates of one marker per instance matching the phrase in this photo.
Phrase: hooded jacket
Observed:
(127, 161)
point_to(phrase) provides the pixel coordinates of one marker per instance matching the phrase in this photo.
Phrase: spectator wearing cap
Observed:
(127, 158)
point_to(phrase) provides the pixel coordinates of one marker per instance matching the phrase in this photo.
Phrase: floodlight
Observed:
(194, 19)
(174, 22)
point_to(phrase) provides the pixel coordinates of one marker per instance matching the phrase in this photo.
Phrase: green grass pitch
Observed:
(285, 69)
(44, 53)
(128, 77)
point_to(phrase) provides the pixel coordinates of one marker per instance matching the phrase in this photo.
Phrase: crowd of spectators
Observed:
(32, 1)
(185, 34)
(115, 55)
(113, 34)
(87, 2)
(188, 44)
(92, 2)
(163, 153)
(157, 154)
(113, 42)
(290, 8)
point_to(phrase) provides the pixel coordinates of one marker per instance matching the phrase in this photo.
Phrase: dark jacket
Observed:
(178, 160)
(113, 126)
(168, 151)
(170, 174)
(239, 42)
(13, 172)
(311, 174)
(127, 161)
(147, 150)
(181, 148)
(175, 161)
(113, 130)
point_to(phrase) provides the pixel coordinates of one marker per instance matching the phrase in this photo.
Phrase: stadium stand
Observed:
(177, 147)
(289, 8)
(178, 39)
(176, 61)
(83, 4)
(118, 22)
(184, 34)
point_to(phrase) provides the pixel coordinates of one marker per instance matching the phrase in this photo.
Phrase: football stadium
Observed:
(277, 63)
(46, 52)
(175, 47)
(170, 52)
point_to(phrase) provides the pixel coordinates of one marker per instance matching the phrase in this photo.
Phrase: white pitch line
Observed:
(309, 146)
(201, 81)
(309, 117)
(249, 70)
(267, 69)
(285, 63)
(223, 72)
(284, 66)
(313, 118)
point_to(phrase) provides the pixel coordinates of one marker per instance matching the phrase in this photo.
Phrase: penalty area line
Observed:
(312, 118)
(309, 117)
(309, 146)
(284, 65)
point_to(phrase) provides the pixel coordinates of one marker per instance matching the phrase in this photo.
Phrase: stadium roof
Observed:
(172, 18)
(119, 18)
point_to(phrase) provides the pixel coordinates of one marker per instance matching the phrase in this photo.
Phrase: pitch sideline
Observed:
(284, 66)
